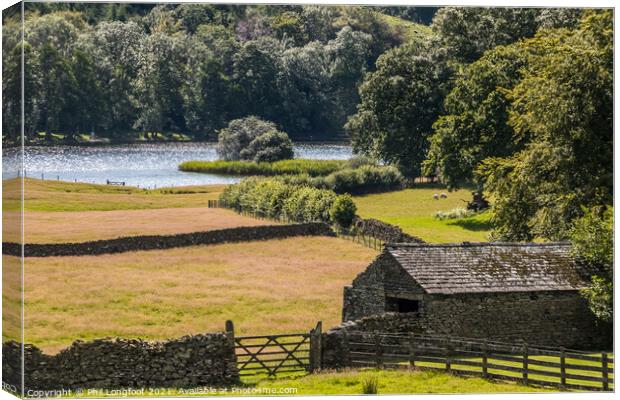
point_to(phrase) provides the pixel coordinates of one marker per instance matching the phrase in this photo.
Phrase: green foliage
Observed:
(476, 125)
(365, 179)
(343, 210)
(238, 135)
(399, 103)
(592, 237)
(600, 296)
(276, 199)
(567, 161)
(370, 384)
(467, 32)
(284, 167)
(269, 147)
(192, 68)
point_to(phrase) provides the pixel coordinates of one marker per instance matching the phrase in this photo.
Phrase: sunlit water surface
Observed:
(143, 165)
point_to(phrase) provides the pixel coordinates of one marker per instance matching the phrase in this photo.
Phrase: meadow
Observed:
(264, 287)
(81, 226)
(40, 195)
(413, 210)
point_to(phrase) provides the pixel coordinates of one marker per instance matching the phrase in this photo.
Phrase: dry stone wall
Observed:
(544, 318)
(191, 361)
(384, 231)
(137, 243)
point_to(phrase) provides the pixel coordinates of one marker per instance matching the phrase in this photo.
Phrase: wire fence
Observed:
(353, 234)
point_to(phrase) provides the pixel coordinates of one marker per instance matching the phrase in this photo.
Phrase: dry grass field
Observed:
(264, 287)
(80, 226)
(11, 298)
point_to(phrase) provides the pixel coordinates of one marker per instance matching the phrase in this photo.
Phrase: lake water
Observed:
(143, 165)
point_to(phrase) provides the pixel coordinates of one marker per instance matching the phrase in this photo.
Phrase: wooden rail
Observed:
(563, 368)
(270, 355)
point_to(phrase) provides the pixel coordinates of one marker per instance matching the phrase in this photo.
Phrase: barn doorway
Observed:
(395, 304)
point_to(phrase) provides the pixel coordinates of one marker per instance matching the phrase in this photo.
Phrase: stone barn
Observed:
(500, 291)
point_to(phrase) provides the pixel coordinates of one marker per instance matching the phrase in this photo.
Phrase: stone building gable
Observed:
(385, 273)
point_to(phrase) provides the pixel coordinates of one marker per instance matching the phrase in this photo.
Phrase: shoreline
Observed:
(139, 142)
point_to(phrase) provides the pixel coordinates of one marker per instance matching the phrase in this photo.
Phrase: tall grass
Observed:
(284, 167)
(370, 384)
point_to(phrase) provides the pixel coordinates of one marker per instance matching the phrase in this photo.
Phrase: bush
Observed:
(455, 213)
(365, 179)
(239, 134)
(276, 199)
(343, 210)
(269, 147)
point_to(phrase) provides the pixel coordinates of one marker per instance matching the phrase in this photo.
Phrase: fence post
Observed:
(525, 364)
(562, 367)
(230, 332)
(345, 341)
(485, 354)
(412, 350)
(378, 351)
(448, 362)
(605, 371)
(315, 347)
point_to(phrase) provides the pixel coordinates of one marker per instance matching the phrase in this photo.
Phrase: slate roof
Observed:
(488, 267)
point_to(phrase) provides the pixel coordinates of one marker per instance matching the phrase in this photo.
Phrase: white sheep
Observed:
(436, 196)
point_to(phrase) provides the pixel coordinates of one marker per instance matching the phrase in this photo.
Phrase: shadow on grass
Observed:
(473, 224)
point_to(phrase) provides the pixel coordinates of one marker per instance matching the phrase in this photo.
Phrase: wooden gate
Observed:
(270, 355)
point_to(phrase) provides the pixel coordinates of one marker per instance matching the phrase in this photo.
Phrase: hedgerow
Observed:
(274, 198)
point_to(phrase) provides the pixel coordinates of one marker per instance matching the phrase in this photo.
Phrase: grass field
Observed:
(413, 210)
(67, 196)
(351, 383)
(533, 367)
(80, 226)
(264, 287)
(393, 382)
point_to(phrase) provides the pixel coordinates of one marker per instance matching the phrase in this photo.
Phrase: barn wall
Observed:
(551, 318)
(366, 295)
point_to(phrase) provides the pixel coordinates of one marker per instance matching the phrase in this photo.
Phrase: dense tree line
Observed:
(517, 102)
(119, 69)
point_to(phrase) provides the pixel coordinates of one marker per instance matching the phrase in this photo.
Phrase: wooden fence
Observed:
(496, 360)
(272, 355)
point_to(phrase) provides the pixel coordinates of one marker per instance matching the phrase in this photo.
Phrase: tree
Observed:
(303, 83)
(158, 84)
(476, 125)
(12, 93)
(255, 71)
(269, 147)
(116, 47)
(58, 91)
(567, 163)
(208, 90)
(467, 32)
(399, 103)
(239, 134)
(592, 238)
(343, 210)
(348, 55)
